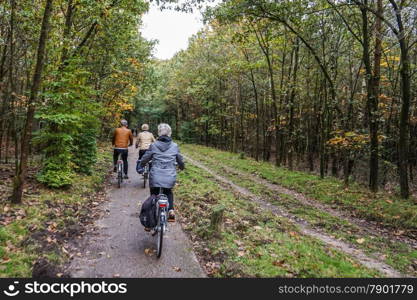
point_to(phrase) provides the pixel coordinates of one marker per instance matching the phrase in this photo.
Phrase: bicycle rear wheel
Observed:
(159, 241)
(119, 174)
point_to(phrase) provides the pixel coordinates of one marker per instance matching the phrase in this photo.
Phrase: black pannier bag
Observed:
(148, 212)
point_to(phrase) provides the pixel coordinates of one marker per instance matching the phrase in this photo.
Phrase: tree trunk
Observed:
(291, 103)
(371, 103)
(405, 107)
(67, 31)
(19, 179)
(373, 182)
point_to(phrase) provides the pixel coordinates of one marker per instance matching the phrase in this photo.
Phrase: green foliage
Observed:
(285, 81)
(85, 150)
(66, 128)
(57, 140)
(94, 67)
(188, 132)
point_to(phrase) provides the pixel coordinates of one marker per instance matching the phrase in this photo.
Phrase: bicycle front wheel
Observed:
(145, 178)
(119, 180)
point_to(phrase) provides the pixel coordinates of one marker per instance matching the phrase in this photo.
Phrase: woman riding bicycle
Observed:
(144, 140)
(164, 154)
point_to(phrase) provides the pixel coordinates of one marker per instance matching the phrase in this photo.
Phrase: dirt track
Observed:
(121, 248)
(304, 227)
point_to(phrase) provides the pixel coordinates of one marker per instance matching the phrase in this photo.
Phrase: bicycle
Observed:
(119, 167)
(143, 171)
(161, 217)
(146, 174)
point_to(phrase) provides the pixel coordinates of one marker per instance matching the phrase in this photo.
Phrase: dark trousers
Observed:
(168, 192)
(141, 153)
(124, 153)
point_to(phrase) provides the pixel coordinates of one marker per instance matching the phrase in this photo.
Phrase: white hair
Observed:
(145, 127)
(164, 129)
(123, 122)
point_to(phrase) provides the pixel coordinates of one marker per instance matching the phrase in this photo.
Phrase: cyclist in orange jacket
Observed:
(122, 139)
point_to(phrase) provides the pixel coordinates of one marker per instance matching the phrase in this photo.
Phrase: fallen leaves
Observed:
(279, 263)
(239, 243)
(241, 253)
(149, 251)
(360, 241)
(294, 234)
(50, 240)
(10, 214)
(212, 268)
(5, 260)
(176, 269)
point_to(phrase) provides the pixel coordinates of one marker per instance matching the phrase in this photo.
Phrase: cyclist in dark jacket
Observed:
(164, 154)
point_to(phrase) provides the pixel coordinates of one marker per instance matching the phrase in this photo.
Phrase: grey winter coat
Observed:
(164, 153)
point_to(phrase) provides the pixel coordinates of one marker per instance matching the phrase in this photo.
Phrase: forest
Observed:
(312, 103)
(324, 86)
(68, 73)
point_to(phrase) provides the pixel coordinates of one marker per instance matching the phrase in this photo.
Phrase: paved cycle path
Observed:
(121, 248)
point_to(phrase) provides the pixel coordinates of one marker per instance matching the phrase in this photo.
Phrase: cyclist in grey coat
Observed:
(165, 155)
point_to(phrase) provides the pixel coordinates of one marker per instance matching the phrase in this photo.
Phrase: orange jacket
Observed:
(122, 138)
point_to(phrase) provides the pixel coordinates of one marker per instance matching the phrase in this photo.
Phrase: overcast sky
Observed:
(171, 28)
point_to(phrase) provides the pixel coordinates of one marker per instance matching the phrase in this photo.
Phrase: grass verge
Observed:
(38, 227)
(399, 255)
(385, 208)
(250, 242)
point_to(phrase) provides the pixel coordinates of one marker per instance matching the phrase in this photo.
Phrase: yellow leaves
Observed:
(348, 140)
(133, 89)
(393, 58)
(360, 241)
(399, 232)
(252, 116)
(134, 62)
(384, 64)
(126, 106)
(149, 251)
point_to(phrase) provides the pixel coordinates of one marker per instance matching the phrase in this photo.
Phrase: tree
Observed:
(19, 179)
